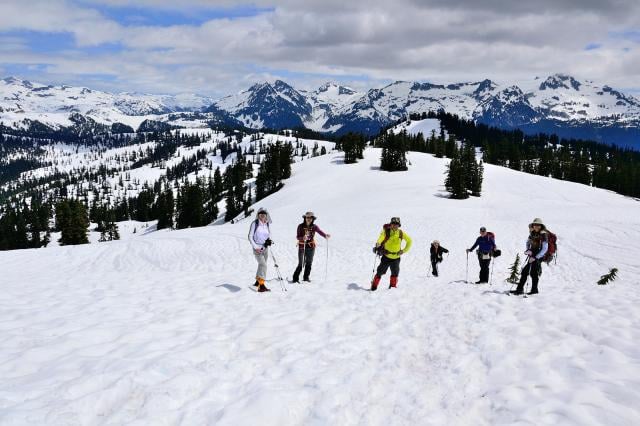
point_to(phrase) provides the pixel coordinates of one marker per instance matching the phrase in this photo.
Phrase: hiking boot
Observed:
(481, 282)
(256, 284)
(533, 291)
(375, 282)
(306, 280)
(516, 292)
(393, 282)
(263, 288)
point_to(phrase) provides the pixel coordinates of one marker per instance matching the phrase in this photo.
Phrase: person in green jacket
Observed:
(389, 247)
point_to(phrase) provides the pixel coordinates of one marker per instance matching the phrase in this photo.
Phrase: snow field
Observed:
(163, 329)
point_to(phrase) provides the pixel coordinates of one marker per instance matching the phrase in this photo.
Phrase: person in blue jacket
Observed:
(486, 244)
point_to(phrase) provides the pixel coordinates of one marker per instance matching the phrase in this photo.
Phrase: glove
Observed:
(468, 250)
(401, 252)
(375, 250)
(268, 242)
(532, 259)
(528, 253)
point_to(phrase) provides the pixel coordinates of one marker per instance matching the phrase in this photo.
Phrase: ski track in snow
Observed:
(163, 329)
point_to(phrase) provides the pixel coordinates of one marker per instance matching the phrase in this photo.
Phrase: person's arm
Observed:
(300, 233)
(252, 230)
(319, 231)
(408, 242)
(444, 250)
(475, 244)
(380, 238)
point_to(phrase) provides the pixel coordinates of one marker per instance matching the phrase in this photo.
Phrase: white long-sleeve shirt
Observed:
(258, 234)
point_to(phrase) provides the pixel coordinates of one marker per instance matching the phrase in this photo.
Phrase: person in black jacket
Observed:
(436, 256)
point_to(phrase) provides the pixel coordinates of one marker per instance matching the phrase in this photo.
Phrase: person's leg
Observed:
(523, 279)
(395, 271)
(262, 269)
(296, 273)
(309, 252)
(535, 274)
(434, 268)
(484, 270)
(382, 269)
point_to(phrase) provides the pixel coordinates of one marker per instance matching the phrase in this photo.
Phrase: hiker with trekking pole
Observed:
(486, 245)
(436, 251)
(389, 248)
(260, 239)
(307, 246)
(537, 251)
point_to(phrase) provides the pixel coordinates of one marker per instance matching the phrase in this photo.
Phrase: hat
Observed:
(436, 242)
(395, 220)
(309, 214)
(537, 221)
(483, 229)
(262, 210)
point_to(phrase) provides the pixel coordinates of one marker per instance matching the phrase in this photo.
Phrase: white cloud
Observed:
(407, 39)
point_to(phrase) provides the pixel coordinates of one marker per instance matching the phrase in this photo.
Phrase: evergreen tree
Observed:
(72, 221)
(514, 271)
(607, 278)
(164, 209)
(393, 156)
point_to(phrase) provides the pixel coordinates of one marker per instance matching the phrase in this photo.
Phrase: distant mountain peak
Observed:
(557, 81)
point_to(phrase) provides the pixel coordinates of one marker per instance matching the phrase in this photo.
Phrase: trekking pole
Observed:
(373, 271)
(275, 263)
(326, 264)
(467, 275)
(491, 277)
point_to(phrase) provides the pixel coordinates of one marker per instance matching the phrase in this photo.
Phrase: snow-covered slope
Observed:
(22, 100)
(163, 329)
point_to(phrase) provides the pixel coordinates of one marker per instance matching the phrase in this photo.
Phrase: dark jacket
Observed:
(437, 255)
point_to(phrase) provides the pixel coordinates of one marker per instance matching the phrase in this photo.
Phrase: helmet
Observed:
(395, 220)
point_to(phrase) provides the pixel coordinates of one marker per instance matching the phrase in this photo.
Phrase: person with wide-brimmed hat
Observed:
(535, 249)
(305, 234)
(486, 244)
(436, 251)
(260, 239)
(389, 247)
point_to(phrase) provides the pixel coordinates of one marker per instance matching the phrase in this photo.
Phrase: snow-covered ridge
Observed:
(558, 103)
(52, 105)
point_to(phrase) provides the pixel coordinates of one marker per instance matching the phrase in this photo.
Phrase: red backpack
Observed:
(552, 247)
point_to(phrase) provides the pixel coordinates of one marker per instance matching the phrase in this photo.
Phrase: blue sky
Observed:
(216, 47)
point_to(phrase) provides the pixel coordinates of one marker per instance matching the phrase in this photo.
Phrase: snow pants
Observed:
(262, 258)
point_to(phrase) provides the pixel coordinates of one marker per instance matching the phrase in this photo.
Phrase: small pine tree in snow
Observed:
(607, 278)
(514, 271)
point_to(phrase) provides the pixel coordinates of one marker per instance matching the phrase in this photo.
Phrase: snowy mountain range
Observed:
(557, 104)
(23, 102)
